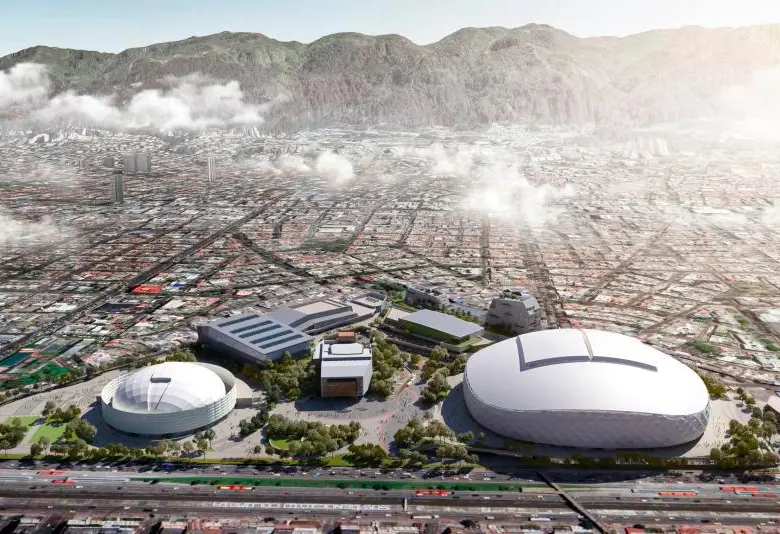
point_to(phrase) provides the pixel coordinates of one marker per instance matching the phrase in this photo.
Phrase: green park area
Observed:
(280, 444)
(26, 420)
(51, 432)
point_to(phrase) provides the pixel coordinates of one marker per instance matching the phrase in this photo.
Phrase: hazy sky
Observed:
(111, 26)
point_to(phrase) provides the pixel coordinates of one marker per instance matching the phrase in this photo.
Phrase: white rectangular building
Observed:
(345, 369)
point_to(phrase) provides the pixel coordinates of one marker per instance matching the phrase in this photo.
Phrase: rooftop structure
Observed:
(168, 399)
(253, 337)
(370, 299)
(345, 369)
(320, 315)
(585, 388)
(425, 296)
(440, 326)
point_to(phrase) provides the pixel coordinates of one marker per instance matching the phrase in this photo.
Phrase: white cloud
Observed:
(24, 84)
(502, 191)
(191, 102)
(334, 167)
(496, 185)
(754, 105)
(292, 163)
(14, 231)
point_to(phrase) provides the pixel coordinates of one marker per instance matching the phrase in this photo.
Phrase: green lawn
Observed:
(27, 420)
(281, 444)
(50, 431)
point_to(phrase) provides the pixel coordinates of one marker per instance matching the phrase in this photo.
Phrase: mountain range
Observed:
(473, 76)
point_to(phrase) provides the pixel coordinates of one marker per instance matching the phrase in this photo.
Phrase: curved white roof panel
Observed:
(168, 388)
(583, 370)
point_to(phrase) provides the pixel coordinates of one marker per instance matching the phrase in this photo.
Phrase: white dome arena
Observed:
(585, 388)
(169, 399)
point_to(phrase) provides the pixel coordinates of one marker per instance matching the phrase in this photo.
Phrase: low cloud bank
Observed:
(191, 102)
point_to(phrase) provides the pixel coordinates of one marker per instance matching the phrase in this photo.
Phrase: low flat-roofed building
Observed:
(370, 299)
(253, 337)
(439, 326)
(320, 315)
(345, 369)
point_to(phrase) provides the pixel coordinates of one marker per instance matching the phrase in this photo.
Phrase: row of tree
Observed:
(310, 438)
(249, 426)
(56, 415)
(441, 360)
(368, 454)
(11, 434)
(388, 359)
(286, 378)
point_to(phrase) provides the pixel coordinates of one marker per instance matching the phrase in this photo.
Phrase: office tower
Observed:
(137, 162)
(128, 163)
(143, 162)
(116, 189)
(212, 169)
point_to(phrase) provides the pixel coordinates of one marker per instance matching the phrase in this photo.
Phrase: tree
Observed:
(174, 447)
(716, 455)
(466, 437)
(48, 408)
(188, 447)
(257, 450)
(436, 389)
(210, 435)
(45, 443)
(481, 436)
(417, 459)
(35, 449)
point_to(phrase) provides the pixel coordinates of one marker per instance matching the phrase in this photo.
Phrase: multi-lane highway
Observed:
(641, 500)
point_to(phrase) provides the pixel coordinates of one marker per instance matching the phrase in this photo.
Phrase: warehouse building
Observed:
(253, 337)
(345, 368)
(317, 316)
(441, 327)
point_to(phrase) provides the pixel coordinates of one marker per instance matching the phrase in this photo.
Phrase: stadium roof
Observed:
(168, 387)
(588, 370)
(443, 323)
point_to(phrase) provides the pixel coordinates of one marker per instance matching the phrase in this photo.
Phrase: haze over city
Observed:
(389, 267)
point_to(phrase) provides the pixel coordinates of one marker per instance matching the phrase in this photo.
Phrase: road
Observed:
(610, 502)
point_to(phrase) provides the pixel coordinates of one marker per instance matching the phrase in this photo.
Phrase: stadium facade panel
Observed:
(586, 389)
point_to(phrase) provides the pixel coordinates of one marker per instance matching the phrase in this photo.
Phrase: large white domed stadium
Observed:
(168, 399)
(585, 388)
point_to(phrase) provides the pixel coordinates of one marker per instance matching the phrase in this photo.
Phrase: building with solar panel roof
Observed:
(253, 337)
